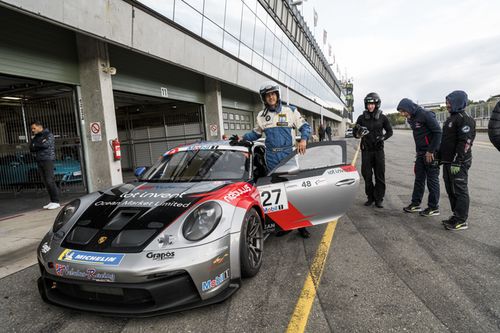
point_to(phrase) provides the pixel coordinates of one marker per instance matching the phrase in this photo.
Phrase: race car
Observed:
(185, 233)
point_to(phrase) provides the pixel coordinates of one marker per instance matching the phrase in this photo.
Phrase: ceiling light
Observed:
(12, 98)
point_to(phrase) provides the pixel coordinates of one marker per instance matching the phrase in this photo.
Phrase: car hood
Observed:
(128, 217)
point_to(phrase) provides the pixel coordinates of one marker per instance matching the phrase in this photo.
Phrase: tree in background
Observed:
(396, 119)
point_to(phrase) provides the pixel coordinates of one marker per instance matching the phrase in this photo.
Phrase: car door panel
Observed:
(313, 195)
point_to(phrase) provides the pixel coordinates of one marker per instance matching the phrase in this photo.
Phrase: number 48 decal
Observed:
(273, 197)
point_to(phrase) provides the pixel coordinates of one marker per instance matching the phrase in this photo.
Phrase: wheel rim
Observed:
(254, 241)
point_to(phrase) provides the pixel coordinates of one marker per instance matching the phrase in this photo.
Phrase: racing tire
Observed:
(251, 244)
(41, 290)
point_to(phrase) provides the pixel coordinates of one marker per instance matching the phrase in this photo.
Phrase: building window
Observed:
(165, 8)
(212, 32)
(248, 26)
(215, 11)
(232, 23)
(188, 17)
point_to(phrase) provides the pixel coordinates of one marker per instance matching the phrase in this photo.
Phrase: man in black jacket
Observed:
(372, 148)
(455, 153)
(43, 146)
(494, 126)
(427, 136)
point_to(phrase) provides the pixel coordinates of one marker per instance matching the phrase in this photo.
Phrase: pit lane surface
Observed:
(386, 271)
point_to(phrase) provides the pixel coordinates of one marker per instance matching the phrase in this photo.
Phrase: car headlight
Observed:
(202, 221)
(65, 214)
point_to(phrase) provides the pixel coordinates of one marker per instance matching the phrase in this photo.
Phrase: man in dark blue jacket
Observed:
(43, 146)
(427, 136)
(455, 153)
(494, 126)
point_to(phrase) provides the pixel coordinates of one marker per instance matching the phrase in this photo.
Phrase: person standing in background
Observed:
(455, 153)
(328, 131)
(427, 135)
(372, 148)
(43, 146)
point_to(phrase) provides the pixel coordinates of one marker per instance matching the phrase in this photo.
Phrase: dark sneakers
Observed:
(455, 225)
(429, 212)
(368, 203)
(411, 208)
(378, 204)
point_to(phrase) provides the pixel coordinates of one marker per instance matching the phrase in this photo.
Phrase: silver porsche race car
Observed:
(185, 233)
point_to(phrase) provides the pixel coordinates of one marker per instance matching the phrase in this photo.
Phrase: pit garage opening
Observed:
(23, 100)
(149, 126)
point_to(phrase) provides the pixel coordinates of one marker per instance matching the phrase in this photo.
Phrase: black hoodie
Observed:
(459, 131)
(426, 130)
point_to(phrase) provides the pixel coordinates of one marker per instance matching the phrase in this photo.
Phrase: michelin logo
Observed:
(94, 258)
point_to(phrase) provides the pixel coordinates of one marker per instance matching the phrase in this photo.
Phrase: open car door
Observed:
(310, 189)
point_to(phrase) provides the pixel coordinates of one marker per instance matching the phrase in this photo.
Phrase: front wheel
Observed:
(251, 244)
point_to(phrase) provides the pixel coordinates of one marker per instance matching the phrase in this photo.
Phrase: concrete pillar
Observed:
(213, 109)
(97, 106)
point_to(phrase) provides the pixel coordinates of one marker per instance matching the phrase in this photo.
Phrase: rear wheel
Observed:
(251, 244)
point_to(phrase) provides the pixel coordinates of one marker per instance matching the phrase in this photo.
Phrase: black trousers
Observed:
(425, 172)
(46, 170)
(373, 164)
(458, 190)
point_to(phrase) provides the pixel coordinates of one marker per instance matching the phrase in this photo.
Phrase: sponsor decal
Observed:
(269, 226)
(171, 152)
(334, 171)
(238, 192)
(273, 197)
(144, 203)
(282, 121)
(145, 195)
(220, 259)
(418, 125)
(165, 240)
(61, 269)
(216, 281)
(450, 125)
(95, 258)
(89, 274)
(45, 248)
(466, 129)
(160, 255)
(102, 239)
(202, 147)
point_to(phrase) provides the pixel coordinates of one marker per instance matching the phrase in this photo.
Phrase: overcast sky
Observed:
(422, 50)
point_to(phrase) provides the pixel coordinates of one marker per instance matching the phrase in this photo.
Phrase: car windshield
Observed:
(200, 165)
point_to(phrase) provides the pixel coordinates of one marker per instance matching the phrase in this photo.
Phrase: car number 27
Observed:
(273, 197)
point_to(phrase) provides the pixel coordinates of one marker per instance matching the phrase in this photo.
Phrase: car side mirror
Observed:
(139, 171)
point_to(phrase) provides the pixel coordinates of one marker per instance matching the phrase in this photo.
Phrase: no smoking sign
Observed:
(95, 131)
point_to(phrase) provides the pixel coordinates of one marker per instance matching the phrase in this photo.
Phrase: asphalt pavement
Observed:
(386, 271)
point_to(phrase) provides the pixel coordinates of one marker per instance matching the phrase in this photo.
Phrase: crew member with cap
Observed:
(372, 148)
(279, 122)
(427, 135)
(455, 153)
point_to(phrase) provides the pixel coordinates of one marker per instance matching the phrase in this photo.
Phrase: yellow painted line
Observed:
(298, 322)
(356, 154)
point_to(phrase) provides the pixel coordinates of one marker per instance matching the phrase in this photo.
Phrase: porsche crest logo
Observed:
(102, 239)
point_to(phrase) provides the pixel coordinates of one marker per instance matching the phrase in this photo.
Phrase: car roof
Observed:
(210, 145)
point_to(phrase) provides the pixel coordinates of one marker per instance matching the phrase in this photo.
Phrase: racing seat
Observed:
(259, 163)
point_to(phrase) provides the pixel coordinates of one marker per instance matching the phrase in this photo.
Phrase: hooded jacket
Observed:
(43, 146)
(494, 126)
(459, 131)
(426, 130)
